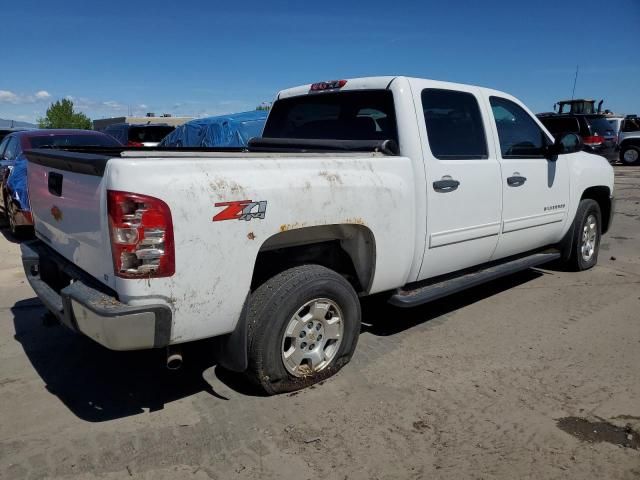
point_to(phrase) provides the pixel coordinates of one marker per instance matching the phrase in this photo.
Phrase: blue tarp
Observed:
(233, 130)
(17, 182)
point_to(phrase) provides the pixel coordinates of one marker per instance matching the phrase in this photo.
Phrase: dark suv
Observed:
(144, 135)
(597, 133)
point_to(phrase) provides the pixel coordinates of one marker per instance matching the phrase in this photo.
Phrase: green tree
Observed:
(61, 115)
(264, 106)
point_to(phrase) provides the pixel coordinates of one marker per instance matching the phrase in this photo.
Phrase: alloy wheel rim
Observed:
(589, 237)
(630, 156)
(312, 337)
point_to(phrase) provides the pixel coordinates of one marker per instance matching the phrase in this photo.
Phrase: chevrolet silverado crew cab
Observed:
(400, 186)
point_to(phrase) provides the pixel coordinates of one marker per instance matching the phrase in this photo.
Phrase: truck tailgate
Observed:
(68, 204)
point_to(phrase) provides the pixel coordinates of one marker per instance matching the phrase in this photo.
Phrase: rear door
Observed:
(463, 178)
(535, 189)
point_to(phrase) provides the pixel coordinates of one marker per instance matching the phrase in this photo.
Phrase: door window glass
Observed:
(454, 124)
(519, 134)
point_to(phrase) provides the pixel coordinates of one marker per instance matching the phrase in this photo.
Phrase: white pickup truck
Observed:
(412, 187)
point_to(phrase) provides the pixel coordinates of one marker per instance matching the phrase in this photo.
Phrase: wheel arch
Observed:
(602, 195)
(349, 249)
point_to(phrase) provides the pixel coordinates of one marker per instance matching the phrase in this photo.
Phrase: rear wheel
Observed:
(630, 155)
(303, 328)
(587, 232)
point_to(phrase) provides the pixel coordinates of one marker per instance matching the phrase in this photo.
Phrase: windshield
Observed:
(601, 126)
(152, 134)
(68, 140)
(355, 115)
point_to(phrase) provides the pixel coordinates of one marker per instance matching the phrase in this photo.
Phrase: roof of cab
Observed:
(382, 83)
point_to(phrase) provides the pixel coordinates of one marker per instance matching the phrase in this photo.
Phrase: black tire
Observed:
(630, 155)
(271, 309)
(19, 232)
(587, 209)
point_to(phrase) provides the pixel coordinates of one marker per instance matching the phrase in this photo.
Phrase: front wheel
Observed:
(587, 232)
(630, 155)
(303, 328)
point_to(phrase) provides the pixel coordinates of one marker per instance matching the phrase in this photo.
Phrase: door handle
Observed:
(445, 186)
(516, 180)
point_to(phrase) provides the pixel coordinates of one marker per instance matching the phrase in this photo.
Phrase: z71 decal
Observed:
(241, 210)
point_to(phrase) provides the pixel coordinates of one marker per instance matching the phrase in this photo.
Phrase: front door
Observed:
(463, 179)
(535, 188)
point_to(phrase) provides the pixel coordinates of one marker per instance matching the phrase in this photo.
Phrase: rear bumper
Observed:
(85, 307)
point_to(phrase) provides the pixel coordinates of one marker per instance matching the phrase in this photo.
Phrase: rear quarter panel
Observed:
(215, 260)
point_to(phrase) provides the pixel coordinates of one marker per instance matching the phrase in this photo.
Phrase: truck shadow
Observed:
(6, 233)
(381, 319)
(99, 385)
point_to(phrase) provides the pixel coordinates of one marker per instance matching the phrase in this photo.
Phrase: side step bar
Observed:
(419, 295)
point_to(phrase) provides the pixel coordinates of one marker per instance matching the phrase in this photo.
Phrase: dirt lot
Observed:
(498, 382)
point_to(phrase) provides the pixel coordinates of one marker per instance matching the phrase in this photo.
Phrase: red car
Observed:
(14, 200)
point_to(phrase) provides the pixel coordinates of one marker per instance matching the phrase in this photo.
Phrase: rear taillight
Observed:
(134, 144)
(141, 235)
(593, 140)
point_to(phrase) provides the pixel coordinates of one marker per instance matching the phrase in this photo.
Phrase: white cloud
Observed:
(113, 105)
(7, 96)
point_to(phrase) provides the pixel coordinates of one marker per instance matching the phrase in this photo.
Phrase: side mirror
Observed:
(565, 143)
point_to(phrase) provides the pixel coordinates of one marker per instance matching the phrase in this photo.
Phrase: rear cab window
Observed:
(454, 125)
(346, 115)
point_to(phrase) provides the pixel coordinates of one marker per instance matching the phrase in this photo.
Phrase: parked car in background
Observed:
(630, 150)
(598, 135)
(144, 135)
(14, 198)
(232, 130)
(630, 128)
(616, 125)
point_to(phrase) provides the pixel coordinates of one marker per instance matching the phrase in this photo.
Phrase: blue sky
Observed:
(203, 58)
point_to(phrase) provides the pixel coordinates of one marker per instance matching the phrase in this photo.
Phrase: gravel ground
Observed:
(534, 376)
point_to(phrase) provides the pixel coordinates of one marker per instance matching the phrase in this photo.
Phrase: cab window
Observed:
(454, 124)
(519, 134)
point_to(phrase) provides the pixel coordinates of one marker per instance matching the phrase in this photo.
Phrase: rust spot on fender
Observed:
(251, 236)
(56, 213)
(291, 226)
(356, 220)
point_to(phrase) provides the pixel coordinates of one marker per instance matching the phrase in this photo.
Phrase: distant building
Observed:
(103, 123)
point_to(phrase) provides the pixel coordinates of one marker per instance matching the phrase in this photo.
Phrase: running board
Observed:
(417, 296)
